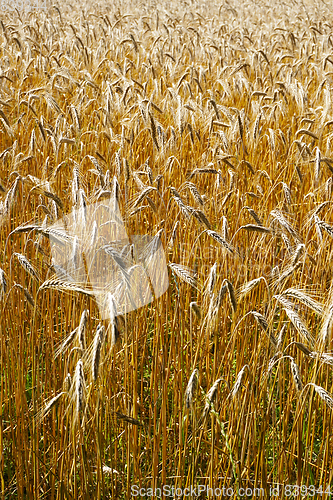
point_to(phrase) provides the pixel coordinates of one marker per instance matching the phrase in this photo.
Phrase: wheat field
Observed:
(210, 125)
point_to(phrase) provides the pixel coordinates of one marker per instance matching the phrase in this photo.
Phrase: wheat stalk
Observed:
(299, 325)
(27, 265)
(81, 332)
(97, 347)
(238, 381)
(184, 273)
(48, 407)
(220, 240)
(304, 299)
(79, 381)
(296, 374)
(3, 283)
(323, 394)
(191, 386)
(259, 229)
(210, 397)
